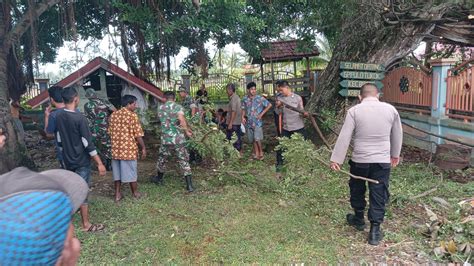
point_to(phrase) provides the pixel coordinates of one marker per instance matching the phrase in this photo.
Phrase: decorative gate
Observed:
(460, 94)
(267, 80)
(408, 88)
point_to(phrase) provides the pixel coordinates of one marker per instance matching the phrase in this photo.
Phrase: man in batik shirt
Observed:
(173, 130)
(254, 108)
(125, 132)
(97, 112)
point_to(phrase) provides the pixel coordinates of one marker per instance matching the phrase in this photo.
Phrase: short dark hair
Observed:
(170, 95)
(230, 86)
(55, 93)
(368, 88)
(282, 83)
(68, 94)
(127, 99)
(220, 110)
(251, 85)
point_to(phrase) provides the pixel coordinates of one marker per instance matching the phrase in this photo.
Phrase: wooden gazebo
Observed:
(286, 51)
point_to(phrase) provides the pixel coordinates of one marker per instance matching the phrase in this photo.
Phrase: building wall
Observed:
(446, 127)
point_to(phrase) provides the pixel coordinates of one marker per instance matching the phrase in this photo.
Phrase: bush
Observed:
(301, 160)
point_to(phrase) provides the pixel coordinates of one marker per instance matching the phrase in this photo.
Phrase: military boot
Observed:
(158, 179)
(375, 234)
(356, 220)
(189, 183)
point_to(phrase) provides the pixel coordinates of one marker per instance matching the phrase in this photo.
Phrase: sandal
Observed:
(94, 228)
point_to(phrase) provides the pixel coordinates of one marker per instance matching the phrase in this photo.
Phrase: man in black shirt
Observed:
(201, 95)
(75, 141)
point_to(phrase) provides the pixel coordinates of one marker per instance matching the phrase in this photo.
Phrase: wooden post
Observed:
(186, 82)
(103, 81)
(273, 79)
(262, 77)
(294, 68)
(102, 93)
(307, 74)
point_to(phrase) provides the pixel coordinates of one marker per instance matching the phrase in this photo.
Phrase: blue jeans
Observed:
(85, 172)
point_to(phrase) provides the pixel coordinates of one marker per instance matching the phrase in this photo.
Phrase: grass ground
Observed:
(244, 214)
(235, 218)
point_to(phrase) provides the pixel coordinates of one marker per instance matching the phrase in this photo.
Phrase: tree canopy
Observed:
(153, 31)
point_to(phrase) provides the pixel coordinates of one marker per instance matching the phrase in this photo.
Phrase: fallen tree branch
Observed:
(399, 243)
(301, 111)
(237, 176)
(347, 173)
(326, 143)
(315, 125)
(424, 193)
(313, 122)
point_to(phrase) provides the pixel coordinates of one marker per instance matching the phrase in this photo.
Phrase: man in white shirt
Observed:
(377, 132)
(292, 121)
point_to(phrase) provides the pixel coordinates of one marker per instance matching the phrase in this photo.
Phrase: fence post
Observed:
(439, 76)
(186, 82)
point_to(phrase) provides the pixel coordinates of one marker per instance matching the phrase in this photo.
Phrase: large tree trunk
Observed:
(368, 39)
(8, 155)
(14, 152)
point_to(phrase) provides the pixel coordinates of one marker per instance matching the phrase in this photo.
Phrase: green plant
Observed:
(329, 119)
(209, 141)
(301, 160)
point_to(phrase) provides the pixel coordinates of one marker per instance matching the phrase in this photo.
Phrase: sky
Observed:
(106, 47)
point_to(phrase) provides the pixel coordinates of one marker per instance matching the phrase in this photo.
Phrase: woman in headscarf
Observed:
(97, 112)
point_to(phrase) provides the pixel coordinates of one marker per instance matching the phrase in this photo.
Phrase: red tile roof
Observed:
(90, 68)
(283, 51)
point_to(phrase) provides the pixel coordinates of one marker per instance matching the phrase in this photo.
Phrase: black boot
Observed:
(375, 234)
(158, 179)
(189, 183)
(356, 220)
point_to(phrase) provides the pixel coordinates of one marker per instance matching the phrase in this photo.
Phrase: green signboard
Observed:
(349, 83)
(355, 75)
(361, 66)
(361, 75)
(349, 93)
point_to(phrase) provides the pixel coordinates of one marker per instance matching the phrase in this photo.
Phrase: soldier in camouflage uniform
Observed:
(173, 130)
(191, 110)
(97, 112)
(187, 102)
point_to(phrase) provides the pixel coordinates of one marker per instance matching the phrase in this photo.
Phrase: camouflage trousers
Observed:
(103, 145)
(182, 155)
